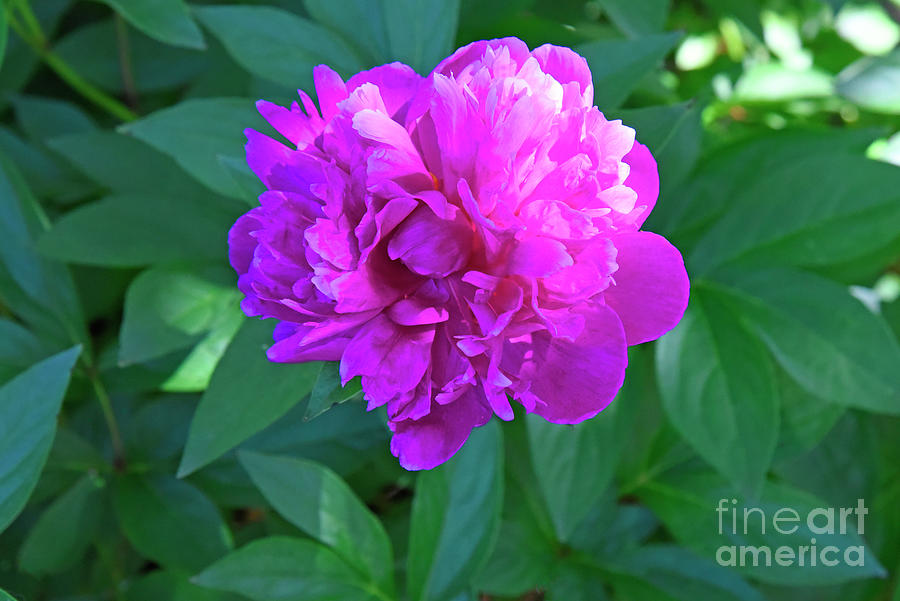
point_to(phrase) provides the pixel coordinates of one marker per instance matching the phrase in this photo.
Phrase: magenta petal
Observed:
(397, 83)
(643, 179)
(429, 245)
(574, 381)
(567, 67)
(391, 358)
(428, 442)
(539, 257)
(651, 287)
(330, 90)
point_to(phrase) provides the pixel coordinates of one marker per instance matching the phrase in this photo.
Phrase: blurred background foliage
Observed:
(176, 463)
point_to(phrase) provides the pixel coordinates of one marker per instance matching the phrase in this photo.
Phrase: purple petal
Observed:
(643, 179)
(428, 442)
(651, 287)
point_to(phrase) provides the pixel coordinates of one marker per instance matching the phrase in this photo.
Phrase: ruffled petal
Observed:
(643, 178)
(651, 287)
(430, 441)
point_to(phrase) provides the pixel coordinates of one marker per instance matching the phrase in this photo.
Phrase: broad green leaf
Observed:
(38, 290)
(637, 17)
(43, 118)
(873, 83)
(285, 54)
(156, 66)
(247, 393)
(196, 132)
(687, 504)
(47, 176)
(125, 165)
(170, 521)
(64, 531)
(167, 309)
(279, 568)
(719, 390)
(172, 585)
(421, 32)
(132, 229)
(618, 66)
(455, 518)
(806, 418)
(727, 173)
(159, 428)
(822, 336)
(317, 501)
(195, 372)
(29, 404)
(671, 573)
(359, 22)
(575, 464)
(19, 349)
(673, 134)
(816, 211)
(168, 21)
(328, 392)
(774, 82)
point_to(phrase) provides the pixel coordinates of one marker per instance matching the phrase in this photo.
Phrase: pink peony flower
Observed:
(459, 240)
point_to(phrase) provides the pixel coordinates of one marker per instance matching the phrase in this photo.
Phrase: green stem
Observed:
(38, 42)
(106, 407)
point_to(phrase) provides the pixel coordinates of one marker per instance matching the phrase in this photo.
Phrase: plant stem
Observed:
(125, 62)
(108, 415)
(35, 38)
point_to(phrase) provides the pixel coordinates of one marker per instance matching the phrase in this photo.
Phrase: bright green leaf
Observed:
(169, 21)
(618, 66)
(167, 309)
(421, 32)
(286, 569)
(29, 404)
(285, 54)
(317, 501)
(822, 336)
(64, 531)
(247, 393)
(873, 83)
(196, 132)
(170, 521)
(455, 518)
(719, 390)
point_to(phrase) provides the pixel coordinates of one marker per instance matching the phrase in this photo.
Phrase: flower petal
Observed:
(651, 287)
(643, 178)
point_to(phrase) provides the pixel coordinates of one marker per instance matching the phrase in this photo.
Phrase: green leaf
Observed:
(575, 464)
(196, 132)
(286, 569)
(125, 165)
(774, 82)
(421, 32)
(360, 22)
(156, 66)
(317, 501)
(673, 134)
(285, 54)
(637, 17)
(195, 372)
(168, 21)
(687, 504)
(43, 118)
(618, 66)
(170, 521)
(247, 393)
(172, 586)
(873, 83)
(728, 172)
(19, 349)
(128, 230)
(29, 404)
(328, 392)
(64, 531)
(818, 211)
(822, 336)
(455, 518)
(806, 417)
(670, 573)
(167, 309)
(719, 391)
(4, 34)
(38, 290)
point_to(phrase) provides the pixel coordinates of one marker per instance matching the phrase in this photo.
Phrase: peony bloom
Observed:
(458, 241)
